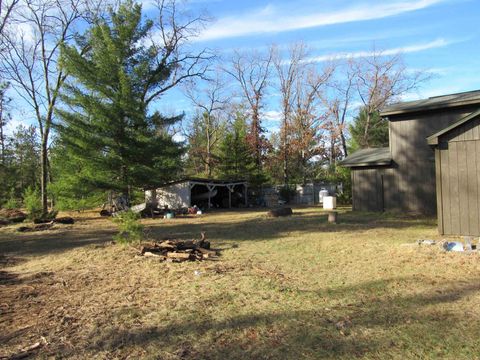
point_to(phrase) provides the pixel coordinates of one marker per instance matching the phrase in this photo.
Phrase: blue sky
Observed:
(439, 36)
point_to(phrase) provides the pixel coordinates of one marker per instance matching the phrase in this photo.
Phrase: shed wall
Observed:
(367, 189)
(409, 184)
(174, 196)
(458, 174)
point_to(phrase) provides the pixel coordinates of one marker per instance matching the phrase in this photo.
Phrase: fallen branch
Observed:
(26, 351)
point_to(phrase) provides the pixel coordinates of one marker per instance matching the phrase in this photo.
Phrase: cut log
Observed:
(167, 245)
(177, 255)
(179, 250)
(39, 227)
(332, 217)
(206, 251)
(65, 220)
(285, 211)
(151, 254)
(13, 215)
(105, 213)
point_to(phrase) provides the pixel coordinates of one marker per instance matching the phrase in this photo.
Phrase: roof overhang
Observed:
(434, 139)
(210, 182)
(432, 103)
(368, 158)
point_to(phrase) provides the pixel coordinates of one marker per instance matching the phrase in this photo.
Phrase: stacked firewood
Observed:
(179, 250)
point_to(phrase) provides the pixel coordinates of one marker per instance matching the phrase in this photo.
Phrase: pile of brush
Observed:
(179, 250)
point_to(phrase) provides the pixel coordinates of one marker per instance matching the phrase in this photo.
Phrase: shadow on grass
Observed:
(264, 228)
(407, 324)
(254, 229)
(43, 243)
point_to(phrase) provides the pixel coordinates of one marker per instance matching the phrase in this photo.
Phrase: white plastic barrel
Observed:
(329, 202)
(322, 194)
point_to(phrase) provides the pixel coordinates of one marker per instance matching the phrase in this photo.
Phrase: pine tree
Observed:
(236, 159)
(71, 189)
(377, 133)
(108, 127)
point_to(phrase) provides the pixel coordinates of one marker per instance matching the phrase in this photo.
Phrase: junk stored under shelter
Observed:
(401, 177)
(204, 193)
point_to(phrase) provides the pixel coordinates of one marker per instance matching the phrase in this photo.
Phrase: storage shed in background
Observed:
(368, 178)
(204, 193)
(457, 164)
(402, 176)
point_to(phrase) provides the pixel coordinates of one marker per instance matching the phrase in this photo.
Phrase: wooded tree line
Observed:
(93, 74)
(323, 109)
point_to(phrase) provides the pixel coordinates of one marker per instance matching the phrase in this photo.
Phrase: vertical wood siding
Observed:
(409, 184)
(367, 190)
(458, 174)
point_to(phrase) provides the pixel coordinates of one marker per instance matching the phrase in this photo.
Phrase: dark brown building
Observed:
(457, 159)
(402, 176)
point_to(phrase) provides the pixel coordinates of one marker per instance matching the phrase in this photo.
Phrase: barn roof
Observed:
(433, 139)
(368, 157)
(205, 181)
(432, 103)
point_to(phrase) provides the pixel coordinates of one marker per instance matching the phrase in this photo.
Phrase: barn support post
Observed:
(246, 194)
(231, 189)
(210, 188)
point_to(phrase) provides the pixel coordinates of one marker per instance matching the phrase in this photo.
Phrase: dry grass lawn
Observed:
(286, 288)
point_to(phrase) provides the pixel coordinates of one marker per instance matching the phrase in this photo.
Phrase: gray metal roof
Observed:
(435, 102)
(205, 181)
(433, 139)
(368, 157)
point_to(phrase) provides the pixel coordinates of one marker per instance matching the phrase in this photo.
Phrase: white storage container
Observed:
(329, 202)
(322, 194)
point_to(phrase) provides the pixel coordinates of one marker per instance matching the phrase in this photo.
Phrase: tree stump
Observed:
(286, 211)
(332, 217)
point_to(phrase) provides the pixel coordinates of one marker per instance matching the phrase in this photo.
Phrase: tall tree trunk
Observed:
(366, 131)
(44, 175)
(256, 136)
(285, 153)
(285, 141)
(344, 143)
(2, 140)
(331, 159)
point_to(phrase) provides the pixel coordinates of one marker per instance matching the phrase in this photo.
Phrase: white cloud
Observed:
(177, 137)
(272, 115)
(404, 50)
(12, 126)
(272, 19)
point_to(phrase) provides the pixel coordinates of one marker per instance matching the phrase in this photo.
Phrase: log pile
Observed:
(284, 211)
(44, 225)
(179, 250)
(38, 227)
(8, 216)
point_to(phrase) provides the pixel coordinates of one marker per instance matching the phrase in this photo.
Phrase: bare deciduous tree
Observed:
(6, 9)
(252, 72)
(288, 72)
(38, 29)
(211, 101)
(308, 117)
(30, 61)
(381, 80)
(171, 41)
(338, 103)
(4, 118)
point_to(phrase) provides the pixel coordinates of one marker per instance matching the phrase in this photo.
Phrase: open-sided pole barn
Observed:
(204, 193)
